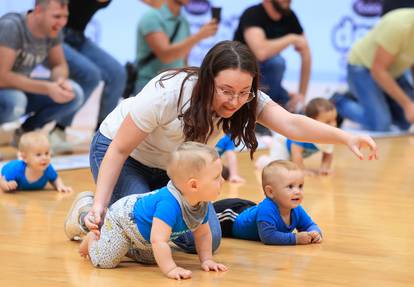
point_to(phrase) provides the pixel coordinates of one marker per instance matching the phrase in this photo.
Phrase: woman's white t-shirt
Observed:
(154, 110)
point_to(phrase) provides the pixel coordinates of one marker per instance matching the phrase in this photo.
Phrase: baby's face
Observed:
(288, 189)
(38, 157)
(210, 181)
(328, 117)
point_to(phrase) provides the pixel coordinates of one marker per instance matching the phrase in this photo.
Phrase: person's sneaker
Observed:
(59, 143)
(81, 205)
(335, 98)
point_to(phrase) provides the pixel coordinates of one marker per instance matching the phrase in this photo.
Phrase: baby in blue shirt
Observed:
(323, 111)
(319, 109)
(33, 171)
(273, 220)
(141, 226)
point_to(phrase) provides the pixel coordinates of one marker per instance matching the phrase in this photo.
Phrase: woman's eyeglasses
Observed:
(243, 97)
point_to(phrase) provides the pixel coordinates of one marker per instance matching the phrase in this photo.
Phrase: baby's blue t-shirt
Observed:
(225, 144)
(15, 170)
(263, 222)
(162, 205)
(308, 148)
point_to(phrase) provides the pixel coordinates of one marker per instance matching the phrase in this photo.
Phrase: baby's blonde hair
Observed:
(190, 158)
(31, 139)
(272, 171)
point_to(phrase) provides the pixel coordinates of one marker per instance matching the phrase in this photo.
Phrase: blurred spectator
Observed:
(268, 29)
(88, 63)
(377, 77)
(389, 5)
(26, 40)
(164, 40)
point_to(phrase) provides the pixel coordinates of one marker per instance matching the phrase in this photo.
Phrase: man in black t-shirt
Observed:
(88, 63)
(389, 5)
(268, 29)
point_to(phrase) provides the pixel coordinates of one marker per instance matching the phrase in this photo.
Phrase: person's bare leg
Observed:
(84, 246)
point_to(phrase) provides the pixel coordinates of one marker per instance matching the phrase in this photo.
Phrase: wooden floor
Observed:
(365, 210)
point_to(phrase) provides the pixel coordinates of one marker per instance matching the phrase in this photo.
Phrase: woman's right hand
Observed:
(93, 220)
(357, 142)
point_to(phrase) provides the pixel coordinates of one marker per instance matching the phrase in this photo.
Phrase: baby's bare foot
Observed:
(84, 246)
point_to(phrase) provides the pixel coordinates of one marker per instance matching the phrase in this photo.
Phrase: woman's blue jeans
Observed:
(136, 178)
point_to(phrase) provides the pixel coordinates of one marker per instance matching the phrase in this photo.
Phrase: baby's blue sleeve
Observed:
(269, 235)
(267, 227)
(9, 172)
(229, 144)
(167, 213)
(208, 212)
(51, 173)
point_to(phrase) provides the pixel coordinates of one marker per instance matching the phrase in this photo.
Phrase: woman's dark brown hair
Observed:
(198, 118)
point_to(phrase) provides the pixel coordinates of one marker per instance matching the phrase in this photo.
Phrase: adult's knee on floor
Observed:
(380, 123)
(79, 97)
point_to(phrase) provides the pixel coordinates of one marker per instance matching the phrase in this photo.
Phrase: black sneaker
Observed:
(335, 98)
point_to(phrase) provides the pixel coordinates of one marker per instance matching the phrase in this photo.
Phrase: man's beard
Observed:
(279, 8)
(179, 2)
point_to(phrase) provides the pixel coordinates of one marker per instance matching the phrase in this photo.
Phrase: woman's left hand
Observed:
(357, 142)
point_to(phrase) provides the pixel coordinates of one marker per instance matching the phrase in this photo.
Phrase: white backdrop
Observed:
(331, 28)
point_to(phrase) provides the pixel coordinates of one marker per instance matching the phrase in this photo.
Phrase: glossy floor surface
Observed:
(365, 210)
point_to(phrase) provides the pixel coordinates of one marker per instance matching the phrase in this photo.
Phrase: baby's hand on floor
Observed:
(179, 273)
(8, 186)
(303, 238)
(210, 265)
(316, 237)
(64, 188)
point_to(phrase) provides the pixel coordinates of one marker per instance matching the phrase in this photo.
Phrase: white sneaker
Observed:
(59, 143)
(82, 203)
